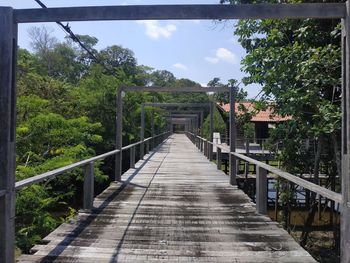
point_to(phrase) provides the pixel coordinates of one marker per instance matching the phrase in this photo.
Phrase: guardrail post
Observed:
(142, 150)
(142, 132)
(119, 137)
(152, 130)
(132, 157)
(232, 158)
(88, 186)
(147, 147)
(210, 152)
(8, 49)
(205, 148)
(261, 190)
(238, 162)
(153, 144)
(246, 165)
(218, 158)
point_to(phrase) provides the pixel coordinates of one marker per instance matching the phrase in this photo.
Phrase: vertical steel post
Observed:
(246, 165)
(232, 158)
(261, 191)
(119, 136)
(132, 157)
(202, 134)
(88, 186)
(152, 128)
(211, 130)
(345, 212)
(147, 147)
(218, 158)
(8, 54)
(202, 123)
(142, 132)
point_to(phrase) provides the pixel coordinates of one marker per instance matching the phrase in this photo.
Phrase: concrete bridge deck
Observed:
(174, 207)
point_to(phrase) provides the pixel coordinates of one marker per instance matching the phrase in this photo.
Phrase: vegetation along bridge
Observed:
(174, 206)
(164, 209)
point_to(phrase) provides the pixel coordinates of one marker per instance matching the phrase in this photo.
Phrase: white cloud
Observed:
(226, 55)
(155, 31)
(180, 66)
(213, 60)
(223, 54)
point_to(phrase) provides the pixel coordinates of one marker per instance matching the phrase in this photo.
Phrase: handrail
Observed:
(331, 195)
(295, 179)
(50, 174)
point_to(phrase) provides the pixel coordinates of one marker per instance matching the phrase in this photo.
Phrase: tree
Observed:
(43, 43)
(224, 97)
(116, 58)
(298, 64)
(162, 78)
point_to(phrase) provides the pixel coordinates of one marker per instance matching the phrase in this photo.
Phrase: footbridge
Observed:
(173, 206)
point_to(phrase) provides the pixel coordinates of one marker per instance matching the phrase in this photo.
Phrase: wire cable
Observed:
(75, 38)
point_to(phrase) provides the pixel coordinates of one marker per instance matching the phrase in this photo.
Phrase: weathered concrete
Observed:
(174, 207)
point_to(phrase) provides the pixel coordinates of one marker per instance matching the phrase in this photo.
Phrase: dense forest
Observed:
(66, 110)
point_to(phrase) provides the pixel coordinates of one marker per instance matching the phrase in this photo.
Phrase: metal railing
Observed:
(88, 167)
(261, 178)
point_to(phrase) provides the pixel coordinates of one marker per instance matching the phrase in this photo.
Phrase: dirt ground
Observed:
(320, 245)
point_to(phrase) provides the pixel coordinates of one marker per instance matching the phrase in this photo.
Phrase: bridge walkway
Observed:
(175, 206)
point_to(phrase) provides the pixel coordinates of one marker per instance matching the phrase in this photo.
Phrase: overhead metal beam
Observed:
(176, 89)
(181, 12)
(183, 115)
(183, 105)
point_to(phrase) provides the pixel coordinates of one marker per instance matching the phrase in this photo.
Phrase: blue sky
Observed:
(198, 50)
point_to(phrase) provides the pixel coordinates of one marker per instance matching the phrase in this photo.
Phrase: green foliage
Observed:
(32, 216)
(219, 124)
(66, 111)
(298, 64)
(249, 130)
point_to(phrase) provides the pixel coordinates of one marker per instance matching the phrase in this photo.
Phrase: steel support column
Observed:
(345, 212)
(8, 49)
(232, 158)
(119, 136)
(142, 132)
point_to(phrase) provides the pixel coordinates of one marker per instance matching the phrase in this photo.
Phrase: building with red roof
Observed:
(263, 119)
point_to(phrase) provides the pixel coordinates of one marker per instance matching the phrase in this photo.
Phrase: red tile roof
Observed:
(261, 116)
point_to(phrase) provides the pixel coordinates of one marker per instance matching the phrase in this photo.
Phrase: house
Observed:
(263, 120)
